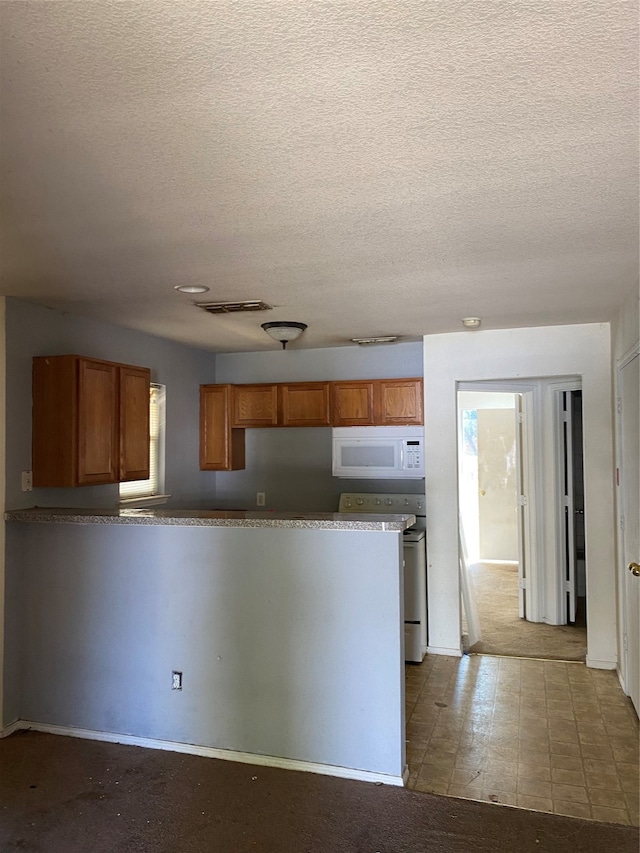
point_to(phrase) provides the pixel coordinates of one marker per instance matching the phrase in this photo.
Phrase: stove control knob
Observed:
(347, 503)
(388, 501)
(359, 501)
(406, 501)
(377, 501)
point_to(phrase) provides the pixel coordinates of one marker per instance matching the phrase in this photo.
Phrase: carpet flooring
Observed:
(63, 795)
(505, 633)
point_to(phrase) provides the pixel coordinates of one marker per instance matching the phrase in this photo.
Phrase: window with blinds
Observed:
(138, 489)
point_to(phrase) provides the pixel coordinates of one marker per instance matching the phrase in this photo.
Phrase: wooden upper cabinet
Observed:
(352, 403)
(221, 446)
(255, 405)
(134, 422)
(304, 404)
(398, 402)
(90, 421)
(377, 402)
(226, 410)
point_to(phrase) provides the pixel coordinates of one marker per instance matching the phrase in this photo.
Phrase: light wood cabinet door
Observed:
(221, 446)
(98, 450)
(304, 404)
(134, 385)
(398, 402)
(255, 405)
(352, 403)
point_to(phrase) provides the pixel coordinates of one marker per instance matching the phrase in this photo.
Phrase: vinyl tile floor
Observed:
(551, 736)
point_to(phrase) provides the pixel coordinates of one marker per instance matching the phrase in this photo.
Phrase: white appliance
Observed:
(378, 452)
(415, 560)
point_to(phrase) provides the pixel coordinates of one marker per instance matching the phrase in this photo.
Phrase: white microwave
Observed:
(378, 453)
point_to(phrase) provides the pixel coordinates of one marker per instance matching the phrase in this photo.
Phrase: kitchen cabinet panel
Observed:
(221, 446)
(97, 422)
(399, 402)
(255, 405)
(352, 403)
(134, 423)
(304, 404)
(90, 421)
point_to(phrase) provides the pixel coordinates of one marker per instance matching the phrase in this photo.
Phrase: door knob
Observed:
(634, 568)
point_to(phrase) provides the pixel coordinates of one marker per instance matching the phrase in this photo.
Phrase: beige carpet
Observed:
(504, 633)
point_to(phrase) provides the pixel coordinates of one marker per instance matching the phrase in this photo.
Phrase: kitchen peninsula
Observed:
(285, 630)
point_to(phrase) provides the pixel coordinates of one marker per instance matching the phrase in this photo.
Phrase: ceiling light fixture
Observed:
(383, 339)
(191, 288)
(471, 322)
(284, 331)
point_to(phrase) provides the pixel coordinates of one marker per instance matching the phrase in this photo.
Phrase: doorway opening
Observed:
(517, 445)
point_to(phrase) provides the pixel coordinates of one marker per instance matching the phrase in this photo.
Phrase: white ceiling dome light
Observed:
(191, 288)
(284, 331)
(471, 322)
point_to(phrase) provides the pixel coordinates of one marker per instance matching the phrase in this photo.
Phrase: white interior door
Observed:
(522, 510)
(497, 484)
(568, 509)
(630, 471)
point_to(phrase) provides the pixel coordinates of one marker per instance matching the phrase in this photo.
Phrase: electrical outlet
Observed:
(260, 498)
(176, 680)
(27, 481)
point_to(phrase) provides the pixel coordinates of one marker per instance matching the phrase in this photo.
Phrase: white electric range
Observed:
(415, 560)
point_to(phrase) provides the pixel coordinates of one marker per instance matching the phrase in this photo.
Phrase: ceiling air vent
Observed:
(233, 307)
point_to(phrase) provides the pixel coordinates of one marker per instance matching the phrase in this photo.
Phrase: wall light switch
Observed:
(27, 481)
(260, 498)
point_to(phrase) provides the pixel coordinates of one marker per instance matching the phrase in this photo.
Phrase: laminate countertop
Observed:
(215, 518)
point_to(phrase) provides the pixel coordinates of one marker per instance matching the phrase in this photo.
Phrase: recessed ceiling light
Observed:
(191, 288)
(385, 339)
(471, 322)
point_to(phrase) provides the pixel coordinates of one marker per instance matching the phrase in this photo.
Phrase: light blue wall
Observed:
(293, 466)
(34, 330)
(269, 627)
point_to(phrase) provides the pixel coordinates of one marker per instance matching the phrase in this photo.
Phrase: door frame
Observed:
(530, 392)
(623, 622)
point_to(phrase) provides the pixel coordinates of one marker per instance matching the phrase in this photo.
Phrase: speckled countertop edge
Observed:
(214, 518)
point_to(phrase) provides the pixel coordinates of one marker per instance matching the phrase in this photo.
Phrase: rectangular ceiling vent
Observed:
(233, 307)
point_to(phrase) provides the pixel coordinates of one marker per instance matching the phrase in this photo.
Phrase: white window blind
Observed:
(136, 489)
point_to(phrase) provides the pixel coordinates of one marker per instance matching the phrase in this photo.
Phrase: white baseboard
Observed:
(594, 663)
(212, 752)
(15, 726)
(443, 650)
(622, 681)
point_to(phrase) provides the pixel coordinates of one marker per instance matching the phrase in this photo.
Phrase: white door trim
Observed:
(623, 664)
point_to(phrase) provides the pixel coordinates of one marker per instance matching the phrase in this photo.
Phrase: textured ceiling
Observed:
(366, 167)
